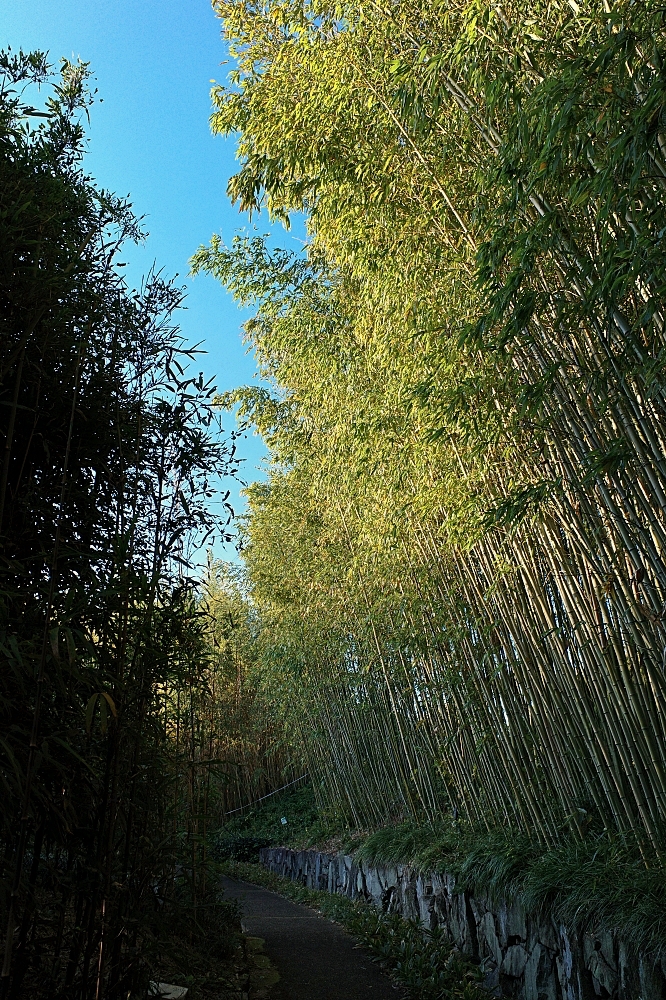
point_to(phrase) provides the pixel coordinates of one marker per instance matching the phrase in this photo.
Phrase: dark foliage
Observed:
(109, 449)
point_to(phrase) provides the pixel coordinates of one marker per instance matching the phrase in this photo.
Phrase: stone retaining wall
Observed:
(520, 955)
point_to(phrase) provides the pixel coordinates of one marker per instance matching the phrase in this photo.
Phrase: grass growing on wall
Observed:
(598, 882)
(423, 961)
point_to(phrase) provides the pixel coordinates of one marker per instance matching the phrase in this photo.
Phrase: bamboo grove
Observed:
(116, 750)
(458, 557)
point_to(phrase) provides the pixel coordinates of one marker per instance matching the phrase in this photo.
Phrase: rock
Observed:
(547, 936)
(488, 940)
(263, 976)
(598, 954)
(166, 991)
(512, 924)
(540, 975)
(514, 961)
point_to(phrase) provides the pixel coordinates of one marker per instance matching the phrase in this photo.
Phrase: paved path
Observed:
(316, 959)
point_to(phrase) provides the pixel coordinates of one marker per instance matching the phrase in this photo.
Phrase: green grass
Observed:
(599, 882)
(422, 961)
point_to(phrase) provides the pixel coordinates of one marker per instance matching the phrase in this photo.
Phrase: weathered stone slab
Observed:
(166, 991)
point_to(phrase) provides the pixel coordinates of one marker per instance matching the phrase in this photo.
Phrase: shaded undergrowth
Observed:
(261, 826)
(423, 961)
(196, 943)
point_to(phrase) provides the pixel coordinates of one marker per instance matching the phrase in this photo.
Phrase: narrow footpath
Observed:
(316, 959)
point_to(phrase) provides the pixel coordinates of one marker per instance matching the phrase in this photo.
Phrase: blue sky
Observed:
(153, 61)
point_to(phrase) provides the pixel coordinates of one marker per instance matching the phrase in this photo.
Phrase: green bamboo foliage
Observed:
(249, 751)
(458, 560)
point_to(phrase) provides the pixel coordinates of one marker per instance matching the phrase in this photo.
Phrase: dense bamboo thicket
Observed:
(458, 558)
(250, 751)
(109, 450)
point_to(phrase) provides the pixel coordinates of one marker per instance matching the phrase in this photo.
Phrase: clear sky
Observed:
(149, 138)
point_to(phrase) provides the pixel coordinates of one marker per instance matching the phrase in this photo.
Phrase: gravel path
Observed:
(316, 959)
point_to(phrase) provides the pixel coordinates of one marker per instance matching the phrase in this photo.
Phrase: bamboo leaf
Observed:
(90, 710)
(110, 702)
(53, 635)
